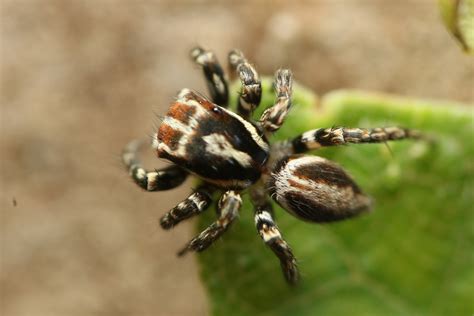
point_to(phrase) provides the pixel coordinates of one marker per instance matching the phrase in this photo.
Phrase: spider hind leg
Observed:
(271, 235)
(156, 180)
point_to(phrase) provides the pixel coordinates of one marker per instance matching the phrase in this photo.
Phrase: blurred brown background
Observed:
(82, 78)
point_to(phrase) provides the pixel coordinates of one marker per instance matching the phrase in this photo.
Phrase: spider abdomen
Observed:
(315, 189)
(211, 142)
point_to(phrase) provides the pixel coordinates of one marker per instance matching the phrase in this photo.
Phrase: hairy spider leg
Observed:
(335, 136)
(272, 118)
(251, 91)
(156, 180)
(214, 74)
(194, 204)
(229, 205)
(270, 234)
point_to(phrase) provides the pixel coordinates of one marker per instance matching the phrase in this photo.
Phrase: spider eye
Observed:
(216, 110)
(315, 189)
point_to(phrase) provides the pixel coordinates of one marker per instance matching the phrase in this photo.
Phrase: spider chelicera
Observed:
(231, 153)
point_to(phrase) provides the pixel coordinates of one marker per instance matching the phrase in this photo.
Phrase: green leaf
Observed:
(458, 17)
(413, 255)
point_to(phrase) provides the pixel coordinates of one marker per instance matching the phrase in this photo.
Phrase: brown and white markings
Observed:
(196, 132)
(231, 153)
(315, 189)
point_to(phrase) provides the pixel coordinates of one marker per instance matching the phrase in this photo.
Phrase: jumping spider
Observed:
(230, 153)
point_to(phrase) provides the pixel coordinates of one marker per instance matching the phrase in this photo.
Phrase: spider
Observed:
(230, 154)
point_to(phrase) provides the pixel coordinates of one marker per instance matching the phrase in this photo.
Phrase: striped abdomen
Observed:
(315, 189)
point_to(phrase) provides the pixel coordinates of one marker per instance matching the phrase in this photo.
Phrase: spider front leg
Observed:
(229, 206)
(194, 204)
(215, 77)
(335, 136)
(251, 93)
(156, 180)
(271, 235)
(272, 119)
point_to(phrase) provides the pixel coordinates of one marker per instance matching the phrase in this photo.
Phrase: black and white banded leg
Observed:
(272, 119)
(251, 92)
(271, 235)
(214, 74)
(156, 180)
(229, 206)
(335, 136)
(194, 204)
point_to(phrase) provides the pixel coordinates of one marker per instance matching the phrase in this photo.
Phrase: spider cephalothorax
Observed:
(196, 132)
(231, 153)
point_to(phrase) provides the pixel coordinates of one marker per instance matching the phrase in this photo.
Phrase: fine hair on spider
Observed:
(231, 153)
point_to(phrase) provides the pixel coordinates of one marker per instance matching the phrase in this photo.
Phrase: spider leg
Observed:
(229, 206)
(194, 204)
(271, 235)
(251, 92)
(272, 119)
(156, 180)
(335, 136)
(215, 77)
